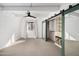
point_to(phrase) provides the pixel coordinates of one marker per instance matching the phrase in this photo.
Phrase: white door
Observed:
(31, 30)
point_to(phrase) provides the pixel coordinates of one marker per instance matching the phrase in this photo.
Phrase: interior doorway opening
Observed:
(31, 29)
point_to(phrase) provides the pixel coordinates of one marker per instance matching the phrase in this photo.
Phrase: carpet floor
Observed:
(32, 47)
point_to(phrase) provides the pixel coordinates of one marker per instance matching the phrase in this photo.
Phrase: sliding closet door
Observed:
(72, 33)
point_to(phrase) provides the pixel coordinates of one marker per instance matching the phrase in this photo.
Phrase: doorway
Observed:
(31, 30)
(51, 29)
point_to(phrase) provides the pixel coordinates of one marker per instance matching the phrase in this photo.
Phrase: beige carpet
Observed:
(71, 48)
(32, 47)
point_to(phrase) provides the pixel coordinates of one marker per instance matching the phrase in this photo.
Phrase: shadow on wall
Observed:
(69, 37)
(13, 40)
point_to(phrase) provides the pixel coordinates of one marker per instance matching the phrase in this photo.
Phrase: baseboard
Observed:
(17, 42)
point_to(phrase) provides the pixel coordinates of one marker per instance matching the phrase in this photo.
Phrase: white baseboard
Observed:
(17, 42)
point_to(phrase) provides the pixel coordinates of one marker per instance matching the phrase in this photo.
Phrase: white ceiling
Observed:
(35, 8)
(33, 13)
(31, 6)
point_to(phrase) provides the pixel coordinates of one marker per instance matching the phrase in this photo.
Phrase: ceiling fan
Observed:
(28, 14)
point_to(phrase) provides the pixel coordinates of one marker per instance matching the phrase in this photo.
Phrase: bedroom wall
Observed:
(9, 28)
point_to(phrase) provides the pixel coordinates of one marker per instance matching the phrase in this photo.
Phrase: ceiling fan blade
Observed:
(32, 16)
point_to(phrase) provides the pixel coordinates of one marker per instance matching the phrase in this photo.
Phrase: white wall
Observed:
(9, 27)
(44, 31)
